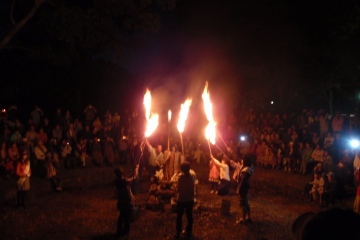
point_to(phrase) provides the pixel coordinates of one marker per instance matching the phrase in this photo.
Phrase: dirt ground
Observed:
(86, 209)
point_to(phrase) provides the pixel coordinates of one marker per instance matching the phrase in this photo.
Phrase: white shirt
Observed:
(224, 170)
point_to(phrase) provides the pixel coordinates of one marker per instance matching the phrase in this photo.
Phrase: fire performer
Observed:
(156, 158)
(225, 184)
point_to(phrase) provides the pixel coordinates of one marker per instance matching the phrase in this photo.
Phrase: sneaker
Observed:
(240, 221)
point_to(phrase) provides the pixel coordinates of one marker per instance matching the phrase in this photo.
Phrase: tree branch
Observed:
(21, 23)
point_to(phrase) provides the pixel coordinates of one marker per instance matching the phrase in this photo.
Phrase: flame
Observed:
(210, 130)
(169, 116)
(184, 111)
(152, 119)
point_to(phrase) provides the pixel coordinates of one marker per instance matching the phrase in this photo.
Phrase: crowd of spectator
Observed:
(308, 143)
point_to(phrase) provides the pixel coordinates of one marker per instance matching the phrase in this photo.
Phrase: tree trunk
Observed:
(21, 23)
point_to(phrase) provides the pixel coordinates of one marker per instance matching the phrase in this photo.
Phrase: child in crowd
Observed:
(317, 189)
(214, 176)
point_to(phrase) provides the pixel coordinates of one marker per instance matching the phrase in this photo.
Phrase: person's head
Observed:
(333, 223)
(185, 167)
(247, 161)
(118, 172)
(159, 148)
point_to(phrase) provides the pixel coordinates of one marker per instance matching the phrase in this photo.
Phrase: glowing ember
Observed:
(210, 130)
(152, 119)
(184, 111)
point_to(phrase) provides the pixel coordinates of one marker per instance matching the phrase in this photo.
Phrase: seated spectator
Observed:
(3, 161)
(317, 155)
(57, 133)
(16, 137)
(330, 190)
(328, 141)
(52, 175)
(67, 155)
(317, 189)
(81, 152)
(40, 158)
(327, 161)
(42, 136)
(305, 158)
(31, 134)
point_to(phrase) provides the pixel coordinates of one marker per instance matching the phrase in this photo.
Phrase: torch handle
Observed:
(209, 146)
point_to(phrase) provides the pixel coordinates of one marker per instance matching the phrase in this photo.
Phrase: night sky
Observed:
(251, 52)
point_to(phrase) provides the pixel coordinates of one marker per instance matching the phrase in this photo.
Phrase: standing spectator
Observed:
(246, 172)
(67, 119)
(124, 204)
(324, 123)
(23, 173)
(58, 118)
(40, 159)
(305, 158)
(57, 133)
(109, 153)
(90, 113)
(337, 123)
(36, 116)
(123, 150)
(185, 200)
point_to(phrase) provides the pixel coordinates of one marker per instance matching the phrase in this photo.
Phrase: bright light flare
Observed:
(354, 143)
(152, 119)
(184, 111)
(210, 130)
